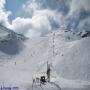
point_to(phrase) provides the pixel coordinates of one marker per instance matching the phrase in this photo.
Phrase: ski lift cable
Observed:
(53, 57)
(51, 51)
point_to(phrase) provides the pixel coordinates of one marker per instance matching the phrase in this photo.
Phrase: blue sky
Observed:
(14, 6)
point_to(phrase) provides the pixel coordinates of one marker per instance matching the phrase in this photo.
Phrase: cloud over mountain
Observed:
(47, 15)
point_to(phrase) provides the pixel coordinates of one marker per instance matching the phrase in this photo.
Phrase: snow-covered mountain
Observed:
(10, 42)
(67, 51)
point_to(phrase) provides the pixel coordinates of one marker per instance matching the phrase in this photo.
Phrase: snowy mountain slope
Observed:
(10, 42)
(69, 57)
(73, 60)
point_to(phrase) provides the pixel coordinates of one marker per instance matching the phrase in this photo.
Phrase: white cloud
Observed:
(36, 26)
(29, 7)
(39, 24)
(77, 5)
(84, 25)
(21, 25)
(50, 14)
(4, 14)
(2, 2)
(78, 13)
